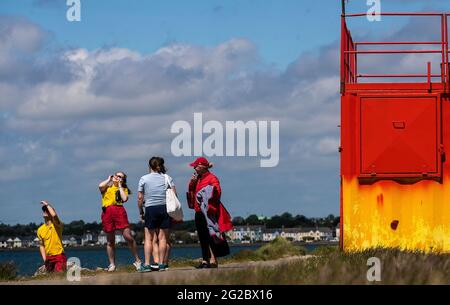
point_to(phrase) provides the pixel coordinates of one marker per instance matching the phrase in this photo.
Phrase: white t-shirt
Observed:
(154, 187)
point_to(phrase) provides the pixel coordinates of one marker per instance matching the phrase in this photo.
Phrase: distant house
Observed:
(119, 239)
(36, 242)
(70, 241)
(103, 239)
(325, 233)
(10, 242)
(3, 243)
(27, 242)
(270, 234)
(246, 234)
(17, 243)
(294, 234)
(308, 234)
(89, 239)
(338, 231)
(299, 234)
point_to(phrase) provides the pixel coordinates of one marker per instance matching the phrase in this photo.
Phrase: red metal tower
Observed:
(395, 187)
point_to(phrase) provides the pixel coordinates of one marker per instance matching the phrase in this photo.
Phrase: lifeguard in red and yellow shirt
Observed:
(115, 193)
(50, 237)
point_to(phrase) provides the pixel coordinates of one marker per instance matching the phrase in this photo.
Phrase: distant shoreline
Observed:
(97, 247)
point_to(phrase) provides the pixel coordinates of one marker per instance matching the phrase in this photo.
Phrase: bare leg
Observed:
(131, 243)
(213, 259)
(110, 247)
(167, 255)
(162, 241)
(156, 257)
(148, 246)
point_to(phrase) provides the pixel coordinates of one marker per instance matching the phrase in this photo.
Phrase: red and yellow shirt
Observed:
(51, 237)
(109, 197)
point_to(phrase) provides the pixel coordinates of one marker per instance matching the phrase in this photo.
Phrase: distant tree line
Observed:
(79, 227)
(287, 220)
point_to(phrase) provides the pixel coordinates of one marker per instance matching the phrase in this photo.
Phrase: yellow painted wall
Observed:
(421, 209)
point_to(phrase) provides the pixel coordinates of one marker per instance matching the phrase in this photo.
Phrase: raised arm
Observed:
(123, 194)
(103, 186)
(51, 212)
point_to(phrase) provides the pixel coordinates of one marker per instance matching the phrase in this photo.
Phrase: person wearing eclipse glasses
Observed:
(115, 193)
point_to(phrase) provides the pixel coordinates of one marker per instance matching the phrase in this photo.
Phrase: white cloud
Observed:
(20, 35)
(112, 109)
(100, 166)
(327, 146)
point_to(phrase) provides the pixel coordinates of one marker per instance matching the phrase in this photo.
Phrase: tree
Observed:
(287, 220)
(253, 220)
(275, 222)
(75, 228)
(183, 236)
(238, 221)
(329, 221)
(185, 226)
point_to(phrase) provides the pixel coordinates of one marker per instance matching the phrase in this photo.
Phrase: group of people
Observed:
(212, 220)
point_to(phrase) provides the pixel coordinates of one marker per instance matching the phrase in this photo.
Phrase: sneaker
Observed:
(137, 265)
(203, 265)
(145, 268)
(111, 268)
(163, 267)
(154, 267)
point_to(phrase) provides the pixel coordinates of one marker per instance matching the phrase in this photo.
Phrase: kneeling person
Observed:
(50, 237)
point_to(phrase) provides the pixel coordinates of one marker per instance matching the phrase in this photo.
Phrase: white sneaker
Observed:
(138, 265)
(111, 268)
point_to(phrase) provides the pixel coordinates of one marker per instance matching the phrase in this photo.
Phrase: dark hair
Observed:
(157, 164)
(124, 182)
(45, 209)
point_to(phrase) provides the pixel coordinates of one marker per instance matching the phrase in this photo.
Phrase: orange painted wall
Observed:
(386, 213)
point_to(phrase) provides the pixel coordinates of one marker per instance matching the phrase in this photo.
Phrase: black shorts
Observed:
(156, 217)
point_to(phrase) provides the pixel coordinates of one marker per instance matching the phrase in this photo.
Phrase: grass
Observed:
(324, 265)
(8, 271)
(330, 266)
(276, 249)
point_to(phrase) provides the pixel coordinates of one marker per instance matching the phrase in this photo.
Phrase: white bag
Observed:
(172, 203)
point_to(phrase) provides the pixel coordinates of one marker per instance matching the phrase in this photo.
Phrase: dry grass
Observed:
(8, 271)
(276, 249)
(325, 265)
(334, 267)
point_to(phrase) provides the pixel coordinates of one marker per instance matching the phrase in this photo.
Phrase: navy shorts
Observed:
(156, 217)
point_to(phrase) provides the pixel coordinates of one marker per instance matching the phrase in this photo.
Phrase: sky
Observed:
(81, 100)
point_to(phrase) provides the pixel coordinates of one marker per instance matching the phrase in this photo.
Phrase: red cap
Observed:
(200, 161)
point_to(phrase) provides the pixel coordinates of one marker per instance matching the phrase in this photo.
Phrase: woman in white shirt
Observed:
(152, 206)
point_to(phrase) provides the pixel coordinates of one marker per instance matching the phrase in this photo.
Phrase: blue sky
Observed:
(145, 26)
(81, 100)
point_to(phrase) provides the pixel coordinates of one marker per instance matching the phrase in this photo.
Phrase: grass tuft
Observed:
(8, 271)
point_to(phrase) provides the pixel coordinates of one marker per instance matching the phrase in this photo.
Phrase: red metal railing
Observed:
(350, 52)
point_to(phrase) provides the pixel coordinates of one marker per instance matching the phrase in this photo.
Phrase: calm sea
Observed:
(28, 261)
